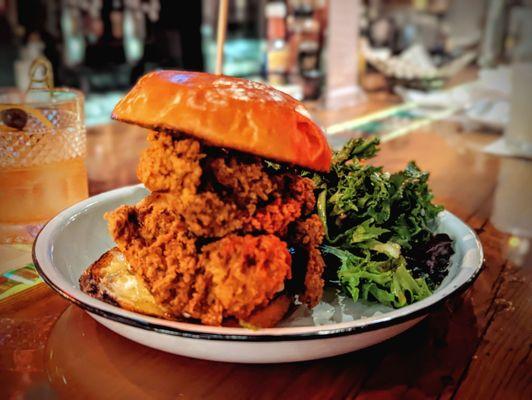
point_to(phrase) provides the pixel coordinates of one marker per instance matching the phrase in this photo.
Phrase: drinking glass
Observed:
(519, 133)
(42, 158)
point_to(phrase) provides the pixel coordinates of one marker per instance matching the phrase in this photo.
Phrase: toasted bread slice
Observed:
(110, 279)
(270, 315)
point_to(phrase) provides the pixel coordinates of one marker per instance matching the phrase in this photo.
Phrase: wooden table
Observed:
(476, 346)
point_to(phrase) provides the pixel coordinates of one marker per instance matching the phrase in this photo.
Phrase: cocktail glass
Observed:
(42, 158)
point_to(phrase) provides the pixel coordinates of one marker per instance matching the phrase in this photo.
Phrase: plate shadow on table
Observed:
(84, 359)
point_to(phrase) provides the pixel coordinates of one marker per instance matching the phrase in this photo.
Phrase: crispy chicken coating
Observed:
(246, 271)
(161, 251)
(247, 182)
(227, 278)
(247, 198)
(307, 235)
(308, 232)
(204, 214)
(170, 165)
(301, 189)
(296, 198)
(275, 217)
(210, 240)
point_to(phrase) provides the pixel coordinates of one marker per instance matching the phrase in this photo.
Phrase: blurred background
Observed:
(103, 46)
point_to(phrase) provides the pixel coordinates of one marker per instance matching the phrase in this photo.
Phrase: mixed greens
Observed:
(379, 228)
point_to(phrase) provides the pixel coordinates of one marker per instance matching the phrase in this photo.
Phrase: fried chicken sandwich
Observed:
(228, 233)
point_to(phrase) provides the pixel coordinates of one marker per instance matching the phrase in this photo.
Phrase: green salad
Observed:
(379, 228)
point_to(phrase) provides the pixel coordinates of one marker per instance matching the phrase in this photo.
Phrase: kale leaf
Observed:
(373, 219)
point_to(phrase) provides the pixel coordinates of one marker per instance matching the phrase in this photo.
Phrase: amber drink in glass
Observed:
(42, 158)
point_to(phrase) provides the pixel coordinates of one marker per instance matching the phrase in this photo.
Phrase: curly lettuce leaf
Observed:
(372, 219)
(412, 211)
(389, 282)
(358, 148)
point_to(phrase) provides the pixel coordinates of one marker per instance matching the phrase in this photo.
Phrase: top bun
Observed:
(227, 112)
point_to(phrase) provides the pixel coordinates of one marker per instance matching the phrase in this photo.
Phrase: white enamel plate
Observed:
(76, 237)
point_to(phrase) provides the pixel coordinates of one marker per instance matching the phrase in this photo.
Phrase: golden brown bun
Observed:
(109, 279)
(227, 112)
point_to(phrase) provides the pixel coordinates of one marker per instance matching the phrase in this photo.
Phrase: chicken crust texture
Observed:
(307, 235)
(246, 271)
(212, 239)
(230, 277)
(170, 165)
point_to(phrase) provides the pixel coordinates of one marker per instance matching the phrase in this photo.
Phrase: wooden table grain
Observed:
(475, 346)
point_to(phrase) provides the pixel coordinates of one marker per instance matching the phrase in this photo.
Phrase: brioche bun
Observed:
(227, 112)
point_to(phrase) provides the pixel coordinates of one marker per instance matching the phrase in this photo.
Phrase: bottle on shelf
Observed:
(277, 48)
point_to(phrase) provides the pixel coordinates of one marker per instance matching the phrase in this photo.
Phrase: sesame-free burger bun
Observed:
(227, 112)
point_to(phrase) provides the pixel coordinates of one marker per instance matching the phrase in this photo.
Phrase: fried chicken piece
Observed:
(297, 199)
(204, 214)
(308, 232)
(207, 214)
(313, 278)
(246, 272)
(302, 189)
(275, 217)
(173, 165)
(307, 235)
(247, 182)
(230, 278)
(161, 252)
(200, 192)
(170, 164)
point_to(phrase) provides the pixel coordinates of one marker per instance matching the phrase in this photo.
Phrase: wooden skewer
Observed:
(220, 37)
